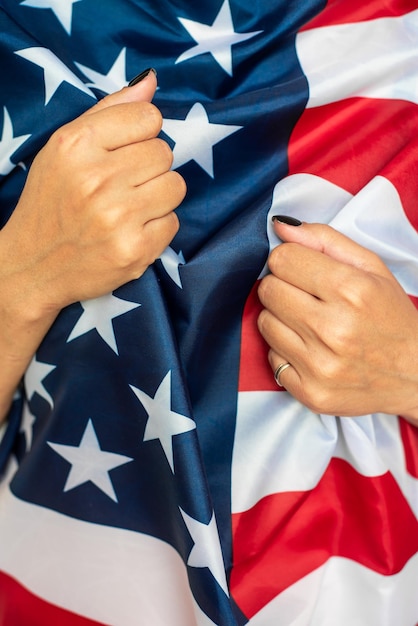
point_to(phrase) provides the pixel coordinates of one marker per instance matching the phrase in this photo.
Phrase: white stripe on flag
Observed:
(120, 574)
(375, 219)
(374, 59)
(344, 593)
(297, 446)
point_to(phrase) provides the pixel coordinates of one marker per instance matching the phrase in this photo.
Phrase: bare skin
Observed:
(335, 312)
(97, 209)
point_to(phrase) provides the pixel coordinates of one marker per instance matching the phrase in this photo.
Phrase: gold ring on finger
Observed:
(279, 370)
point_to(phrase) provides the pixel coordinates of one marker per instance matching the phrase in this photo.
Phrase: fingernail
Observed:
(141, 76)
(286, 219)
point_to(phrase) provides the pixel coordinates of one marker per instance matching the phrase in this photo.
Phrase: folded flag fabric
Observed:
(152, 471)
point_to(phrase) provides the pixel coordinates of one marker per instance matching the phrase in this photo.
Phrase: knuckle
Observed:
(286, 249)
(89, 183)
(328, 371)
(164, 152)
(151, 117)
(74, 155)
(318, 392)
(72, 137)
(274, 258)
(320, 400)
(281, 255)
(342, 337)
(262, 290)
(263, 287)
(262, 321)
(173, 223)
(179, 185)
(63, 135)
(104, 228)
(355, 287)
(174, 187)
(124, 254)
(329, 367)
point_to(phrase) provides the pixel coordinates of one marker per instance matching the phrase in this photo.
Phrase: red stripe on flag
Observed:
(414, 300)
(288, 535)
(255, 372)
(20, 607)
(342, 12)
(409, 436)
(350, 142)
(402, 171)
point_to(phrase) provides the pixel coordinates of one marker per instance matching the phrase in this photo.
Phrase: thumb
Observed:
(140, 89)
(329, 241)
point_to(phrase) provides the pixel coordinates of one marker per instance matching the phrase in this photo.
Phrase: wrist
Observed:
(23, 324)
(20, 338)
(22, 303)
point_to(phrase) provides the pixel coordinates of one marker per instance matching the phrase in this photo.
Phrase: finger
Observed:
(143, 245)
(327, 240)
(152, 200)
(294, 307)
(160, 232)
(160, 196)
(138, 163)
(141, 92)
(116, 126)
(312, 271)
(282, 339)
(114, 134)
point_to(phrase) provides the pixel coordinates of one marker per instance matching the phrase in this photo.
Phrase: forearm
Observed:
(19, 340)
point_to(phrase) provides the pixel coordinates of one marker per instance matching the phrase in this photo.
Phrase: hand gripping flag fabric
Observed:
(152, 471)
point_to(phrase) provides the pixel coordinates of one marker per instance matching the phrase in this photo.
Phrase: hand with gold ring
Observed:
(342, 332)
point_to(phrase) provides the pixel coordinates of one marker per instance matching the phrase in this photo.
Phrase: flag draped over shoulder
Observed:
(153, 472)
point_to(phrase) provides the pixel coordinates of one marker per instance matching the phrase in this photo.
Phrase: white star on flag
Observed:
(98, 314)
(34, 376)
(207, 551)
(114, 80)
(171, 261)
(26, 426)
(90, 463)
(217, 39)
(195, 136)
(8, 144)
(63, 9)
(55, 72)
(163, 423)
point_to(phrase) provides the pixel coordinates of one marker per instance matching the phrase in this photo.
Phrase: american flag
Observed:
(152, 471)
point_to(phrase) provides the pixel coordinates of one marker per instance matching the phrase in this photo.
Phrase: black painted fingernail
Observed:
(141, 76)
(286, 219)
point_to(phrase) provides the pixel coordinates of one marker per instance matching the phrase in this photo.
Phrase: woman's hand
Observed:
(96, 211)
(97, 208)
(335, 312)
